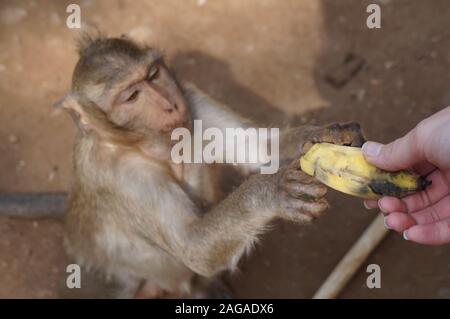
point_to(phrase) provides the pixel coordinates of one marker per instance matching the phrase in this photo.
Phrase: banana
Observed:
(345, 169)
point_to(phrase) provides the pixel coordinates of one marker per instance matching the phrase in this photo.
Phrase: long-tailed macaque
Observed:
(151, 225)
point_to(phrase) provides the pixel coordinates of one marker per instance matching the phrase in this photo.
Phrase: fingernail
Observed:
(372, 149)
(405, 235)
(366, 206)
(380, 205)
(386, 224)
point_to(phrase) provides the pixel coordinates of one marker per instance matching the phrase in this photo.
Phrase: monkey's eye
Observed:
(133, 96)
(153, 73)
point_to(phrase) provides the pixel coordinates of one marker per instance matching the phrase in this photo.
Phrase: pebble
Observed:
(359, 94)
(13, 139)
(201, 3)
(389, 64)
(20, 165)
(52, 174)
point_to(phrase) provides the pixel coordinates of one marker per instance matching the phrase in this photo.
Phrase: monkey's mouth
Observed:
(187, 123)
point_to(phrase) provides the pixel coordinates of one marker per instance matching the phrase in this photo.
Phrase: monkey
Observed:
(145, 223)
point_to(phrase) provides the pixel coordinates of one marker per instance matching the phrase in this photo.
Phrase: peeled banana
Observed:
(345, 169)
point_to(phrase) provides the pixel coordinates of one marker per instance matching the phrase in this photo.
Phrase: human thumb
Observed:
(400, 154)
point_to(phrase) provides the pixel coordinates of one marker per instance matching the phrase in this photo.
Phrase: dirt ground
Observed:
(269, 59)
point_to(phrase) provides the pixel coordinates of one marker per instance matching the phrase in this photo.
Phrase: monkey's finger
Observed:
(307, 212)
(307, 192)
(299, 176)
(352, 134)
(304, 210)
(314, 209)
(342, 134)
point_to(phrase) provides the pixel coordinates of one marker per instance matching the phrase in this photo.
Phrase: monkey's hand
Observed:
(349, 134)
(300, 197)
(297, 141)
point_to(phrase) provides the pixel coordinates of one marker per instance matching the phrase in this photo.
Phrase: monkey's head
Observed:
(126, 86)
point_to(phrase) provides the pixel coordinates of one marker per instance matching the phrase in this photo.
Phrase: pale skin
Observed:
(423, 217)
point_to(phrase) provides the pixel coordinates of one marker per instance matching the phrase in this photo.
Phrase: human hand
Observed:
(423, 217)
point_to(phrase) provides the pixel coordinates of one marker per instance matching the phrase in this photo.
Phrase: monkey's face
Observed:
(149, 98)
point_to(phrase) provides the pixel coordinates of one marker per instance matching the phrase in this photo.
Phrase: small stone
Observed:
(375, 82)
(201, 3)
(35, 224)
(359, 94)
(51, 175)
(13, 139)
(20, 165)
(433, 54)
(388, 64)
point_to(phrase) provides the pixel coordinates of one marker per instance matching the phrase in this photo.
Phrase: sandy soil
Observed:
(269, 59)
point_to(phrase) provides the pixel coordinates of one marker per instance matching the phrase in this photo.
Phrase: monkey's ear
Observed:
(76, 111)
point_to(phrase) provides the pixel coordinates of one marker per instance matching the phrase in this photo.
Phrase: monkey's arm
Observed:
(217, 240)
(291, 141)
(296, 140)
(214, 114)
(214, 241)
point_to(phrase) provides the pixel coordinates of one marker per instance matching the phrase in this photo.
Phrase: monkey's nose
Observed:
(172, 107)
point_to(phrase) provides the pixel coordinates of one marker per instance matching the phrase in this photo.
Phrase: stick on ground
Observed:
(353, 260)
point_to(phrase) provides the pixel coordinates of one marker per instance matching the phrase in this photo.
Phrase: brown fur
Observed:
(135, 216)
